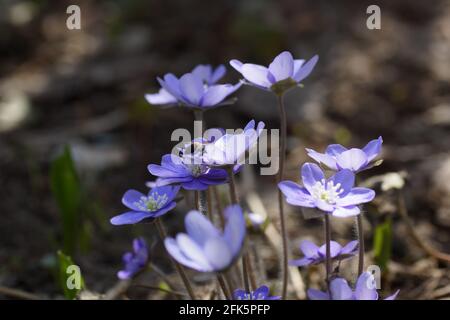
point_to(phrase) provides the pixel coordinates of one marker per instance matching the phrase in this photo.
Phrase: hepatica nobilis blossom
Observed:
(262, 293)
(283, 73)
(204, 247)
(157, 202)
(365, 289)
(208, 74)
(134, 261)
(230, 149)
(190, 173)
(314, 254)
(335, 195)
(191, 90)
(337, 157)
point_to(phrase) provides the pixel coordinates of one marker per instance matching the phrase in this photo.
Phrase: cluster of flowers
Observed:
(205, 163)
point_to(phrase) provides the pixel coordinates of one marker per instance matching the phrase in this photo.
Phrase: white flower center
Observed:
(327, 191)
(151, 203)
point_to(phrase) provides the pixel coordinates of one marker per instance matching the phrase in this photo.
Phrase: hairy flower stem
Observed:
(235, 200)
(202, 203)
(282, 157)
(359, 221)
(178, 267)
(219, 207)
(224, 286)
(328, 248)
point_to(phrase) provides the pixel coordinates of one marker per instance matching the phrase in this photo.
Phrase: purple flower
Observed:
(335, 195)
(283, 73)
(134, 261)
(205, 248)
(188, 172)
(191, 91)
(230, 149)
(340, 290)
(209, 75)
(159, 201)
(314, 254)
(262, 293)
(337, 157)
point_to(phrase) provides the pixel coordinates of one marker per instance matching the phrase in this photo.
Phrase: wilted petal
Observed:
(282, 66)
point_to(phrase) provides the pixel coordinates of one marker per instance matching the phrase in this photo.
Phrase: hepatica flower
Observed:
(134, 261)
(337, 157)
(230, 149)
(314, 254)
(282, 74)
(365, 289)
(187, 172)
(192, 90)
(208, 74)
(204, 247)
(262, 293)
(157, 202)
(335, 195)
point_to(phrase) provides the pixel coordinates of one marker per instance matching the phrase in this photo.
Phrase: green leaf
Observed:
(70, 278)
(383, 243)
(65, 186)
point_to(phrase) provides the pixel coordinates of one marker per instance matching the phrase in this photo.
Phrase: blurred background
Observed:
(76, 132)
